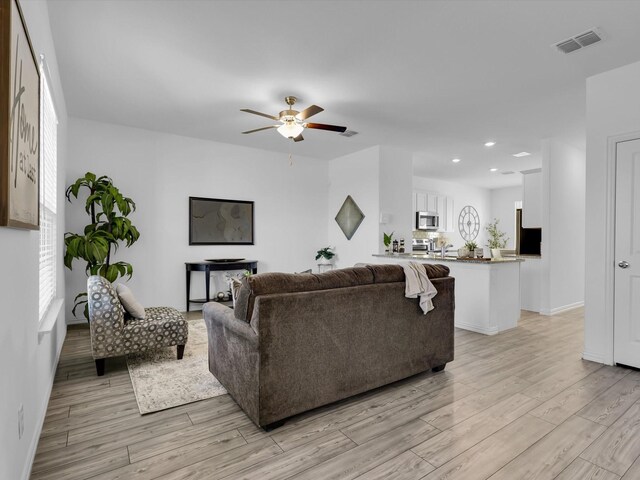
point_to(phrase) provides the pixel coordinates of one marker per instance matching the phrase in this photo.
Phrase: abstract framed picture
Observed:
(216, 221)
(19, 122)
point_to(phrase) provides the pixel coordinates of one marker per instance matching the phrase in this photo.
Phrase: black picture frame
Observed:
(219, 221)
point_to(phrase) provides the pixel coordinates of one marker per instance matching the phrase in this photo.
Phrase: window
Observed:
(48, 196)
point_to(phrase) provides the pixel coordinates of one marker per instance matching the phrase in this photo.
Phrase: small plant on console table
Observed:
(109, 226)
(325, 254)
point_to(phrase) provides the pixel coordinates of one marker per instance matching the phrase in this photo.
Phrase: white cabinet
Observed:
(421, 200)
(532, 199)
(435, 202)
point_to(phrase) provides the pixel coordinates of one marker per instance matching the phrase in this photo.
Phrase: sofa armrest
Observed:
(234, 357)
(224, 318)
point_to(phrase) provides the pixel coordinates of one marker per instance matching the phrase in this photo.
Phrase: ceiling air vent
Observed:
(508, 173)
(577, 42)
(348, 133)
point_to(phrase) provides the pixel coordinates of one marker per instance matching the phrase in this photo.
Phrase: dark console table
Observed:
(207, 268)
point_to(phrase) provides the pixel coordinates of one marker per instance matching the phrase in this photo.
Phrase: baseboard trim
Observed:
(36, 438)
(473, 328)
(593, 357)
(564, 308)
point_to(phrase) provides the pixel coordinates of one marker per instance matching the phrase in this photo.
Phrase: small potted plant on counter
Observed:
(497, 238)
(387, 239)
(472, 247)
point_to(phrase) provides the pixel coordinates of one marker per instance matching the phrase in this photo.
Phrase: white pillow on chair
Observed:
(129, 302)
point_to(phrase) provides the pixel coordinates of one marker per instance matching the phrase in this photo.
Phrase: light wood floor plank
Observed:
(450, 443)
(299, 459)
(371, 427)
(228, 463)
(582, 470)
(87, 467)
(551, 455)
(634, 471)
(557, 409)
(619, 446)
(458, 411)
(175, 459)
(368, 456)
(406, 466)
(607, 407)
(494, 452)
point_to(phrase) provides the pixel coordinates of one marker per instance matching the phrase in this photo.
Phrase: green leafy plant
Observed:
(471, 245)
(109, 226)
(497, 238)
(325, 252)
(387, 239)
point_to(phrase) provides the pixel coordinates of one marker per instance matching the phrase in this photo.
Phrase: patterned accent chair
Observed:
(112, 336)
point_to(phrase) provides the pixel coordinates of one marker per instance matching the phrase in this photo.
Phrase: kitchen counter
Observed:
(487, 290)
(431, 256)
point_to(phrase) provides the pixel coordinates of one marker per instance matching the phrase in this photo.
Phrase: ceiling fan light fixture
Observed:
(290, 129)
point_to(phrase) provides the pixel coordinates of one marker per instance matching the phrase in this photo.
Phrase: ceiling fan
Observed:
(292, 125)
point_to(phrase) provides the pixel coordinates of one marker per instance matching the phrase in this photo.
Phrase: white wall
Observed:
(27, 365)
(503, 207)
(160, 172)
(563, 227)
(613, 109)
(463, 195)
(358, 175)
(396, 172)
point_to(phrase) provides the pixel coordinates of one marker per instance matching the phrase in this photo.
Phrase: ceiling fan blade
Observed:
(309, 111)
(263, 128)
(324, 126)
(259, 113)
(299, 138)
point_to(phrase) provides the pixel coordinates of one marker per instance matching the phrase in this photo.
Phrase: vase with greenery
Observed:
(471, 246)
(325, 254)
(109, 227)
(387, 238)
(497, 238)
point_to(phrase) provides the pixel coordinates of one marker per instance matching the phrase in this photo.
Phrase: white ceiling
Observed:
(437, 78)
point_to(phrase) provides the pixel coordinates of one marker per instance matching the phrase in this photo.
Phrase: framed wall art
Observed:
(19, 122)
(215, 221)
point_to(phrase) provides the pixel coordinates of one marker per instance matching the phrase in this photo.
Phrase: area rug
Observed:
(162, 381)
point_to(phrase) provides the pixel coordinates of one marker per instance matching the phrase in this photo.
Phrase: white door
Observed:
(627, 255)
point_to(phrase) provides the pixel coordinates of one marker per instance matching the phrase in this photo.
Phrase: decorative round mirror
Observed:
(469, 223)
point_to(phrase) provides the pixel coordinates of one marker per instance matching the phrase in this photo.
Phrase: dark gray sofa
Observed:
(298, 341)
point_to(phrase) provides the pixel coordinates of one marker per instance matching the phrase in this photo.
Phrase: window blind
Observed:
(48, 196)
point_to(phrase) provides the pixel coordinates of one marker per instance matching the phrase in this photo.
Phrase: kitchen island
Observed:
(487, 290)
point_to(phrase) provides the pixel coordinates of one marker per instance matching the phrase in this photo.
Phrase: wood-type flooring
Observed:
(514, 406)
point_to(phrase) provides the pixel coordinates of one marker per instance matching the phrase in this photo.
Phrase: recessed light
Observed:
(455, 160)
(493, 169)
(489, 144)
(521, 154)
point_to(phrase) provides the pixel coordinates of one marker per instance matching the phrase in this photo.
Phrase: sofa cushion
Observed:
(132, 306)
(395, 273)
(266, 283)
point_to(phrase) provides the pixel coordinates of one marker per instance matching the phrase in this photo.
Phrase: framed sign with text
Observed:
(19, 122)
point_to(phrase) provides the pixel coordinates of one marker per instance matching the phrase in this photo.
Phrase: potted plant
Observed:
(471, 246)
(325, 255)
(109, 226)
(497, 238)
(387, 239)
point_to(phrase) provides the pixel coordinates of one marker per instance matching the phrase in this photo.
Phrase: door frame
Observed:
(610, 238)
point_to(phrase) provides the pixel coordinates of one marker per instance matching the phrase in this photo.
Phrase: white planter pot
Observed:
(496, 253)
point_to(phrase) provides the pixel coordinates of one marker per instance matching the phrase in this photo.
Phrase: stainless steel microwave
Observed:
(427, 221)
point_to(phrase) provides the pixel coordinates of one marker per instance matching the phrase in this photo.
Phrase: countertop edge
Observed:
(400, 257)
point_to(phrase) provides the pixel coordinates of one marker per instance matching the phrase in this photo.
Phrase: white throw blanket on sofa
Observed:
(417, 284)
